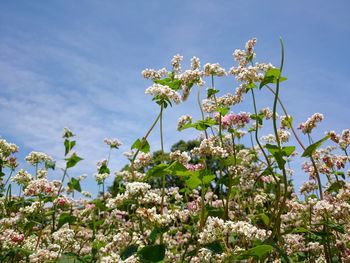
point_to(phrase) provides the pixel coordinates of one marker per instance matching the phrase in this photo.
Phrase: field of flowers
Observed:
(225, 200)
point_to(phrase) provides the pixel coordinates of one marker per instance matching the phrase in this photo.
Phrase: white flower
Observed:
(113, 143)
(100, 178)
(164, 92)
(37, 157)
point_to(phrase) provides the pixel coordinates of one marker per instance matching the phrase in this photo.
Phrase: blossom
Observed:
(214, 70)
(22, 177)
(101, 177)
(42, 187)
(181, 157)
(239, 120)
(307, 126)
(183, 120)
(176, 62)
(154, 74)
(195, 63)
(113, 143)
(135, 188)
(163, 92)
(35, 158)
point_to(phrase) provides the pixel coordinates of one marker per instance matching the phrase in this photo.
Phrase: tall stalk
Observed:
(162, 154)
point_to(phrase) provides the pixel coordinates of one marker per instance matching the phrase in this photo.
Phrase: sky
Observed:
(78, 64)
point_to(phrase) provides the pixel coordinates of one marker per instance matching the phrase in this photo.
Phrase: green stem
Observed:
(144, 138)
(162, 153)
(269, 165)
(201, 109)
(277, 227)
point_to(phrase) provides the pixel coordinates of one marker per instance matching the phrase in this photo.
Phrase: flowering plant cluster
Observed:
(228, 198)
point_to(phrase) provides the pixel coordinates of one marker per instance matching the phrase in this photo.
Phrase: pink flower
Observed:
(194, 167)
(238, 120)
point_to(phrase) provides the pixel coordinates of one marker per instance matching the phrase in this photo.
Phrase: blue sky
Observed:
(77, 64)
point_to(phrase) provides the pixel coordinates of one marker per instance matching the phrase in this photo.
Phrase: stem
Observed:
(201, 109)
(58, 194)
(285, 181)
(278, 191)
(162, 153)
(8, 177)
(202, 220)
(144, 138)
(230, 178)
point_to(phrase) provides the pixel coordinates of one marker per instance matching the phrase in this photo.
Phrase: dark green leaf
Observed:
(141, 145)
(158, 170)
(312, 148)
(104, 169)
(68, 146)
(50, 165)
(271, 76)
(258, 251)
(215, 247)
(153, 253)
(74, 184)
(211, 92)
(66, 218)
(193, 182)
(128, 251)
(223, 110)
(73, 160)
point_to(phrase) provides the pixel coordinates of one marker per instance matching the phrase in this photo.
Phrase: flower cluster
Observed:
(163, 92)
(307, 126)
(238, 120)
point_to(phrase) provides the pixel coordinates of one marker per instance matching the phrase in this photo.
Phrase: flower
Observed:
(113, 143)
(239, 120)
(35, 158)
(214, 70)
(307, 126)
(163, 92)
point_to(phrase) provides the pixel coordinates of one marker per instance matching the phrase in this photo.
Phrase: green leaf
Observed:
(251, 86)
(141, 145)
(277, 154)
(312, 148)
(67, 258)
(271, 76)
(193, 182)
(74, 184)
(223, 110)
(200, 125)
(128, 251)
(211, 92)
(157, 171)
(174, 84)
(50, 165)
(264, 218)
(300, 230)
(216, 212)
(73, 160)
(258, 251)
(287, 121)
(288, 150)
(104, 169)
(175, 167)
(65, 218)
(208, 178)
(152, 253)
(215, 247)
(258, 117)
(68, 146)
